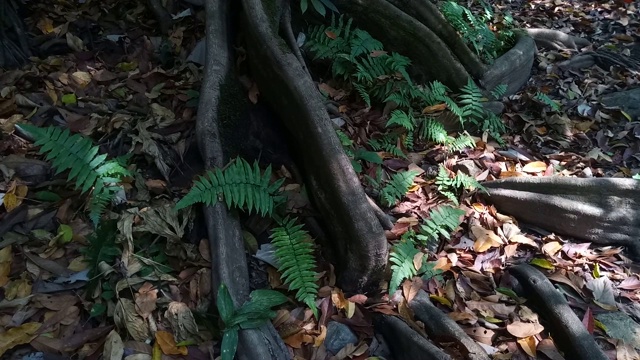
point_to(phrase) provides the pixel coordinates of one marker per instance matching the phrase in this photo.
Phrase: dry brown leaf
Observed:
(522, 329)
(113, 347)
(485, 239)
(551, 248)
(6, 259)
(146, 299)
(168, 344)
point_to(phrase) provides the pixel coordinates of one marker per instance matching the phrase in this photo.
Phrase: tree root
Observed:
(428, 14)
(569, 334)
(228, 260)
(512, 68)
(557, 40)
(603, 211)
(601, 57)
(429, 54)
(406, 343)
(162, 15)
(357, 240)
(441, 328)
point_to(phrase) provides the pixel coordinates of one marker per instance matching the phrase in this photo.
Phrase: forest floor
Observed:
(133, 92)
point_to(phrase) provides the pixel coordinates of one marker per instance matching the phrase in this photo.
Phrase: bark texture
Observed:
(603, 211)
(223, 228)
(358, 244)
(569, 334)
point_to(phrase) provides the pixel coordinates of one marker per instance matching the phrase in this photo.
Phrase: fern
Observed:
(326, 42)
(362, 43)
(397, 187)
(441, 222)
(546, 100)
(296, 262)
(240, 186)
(499, 91)
(402, 118)
(463, 141)
(387, 143)
(89, 169)
(432, 130)
(452, 187)
(471, 100)
(401, 259)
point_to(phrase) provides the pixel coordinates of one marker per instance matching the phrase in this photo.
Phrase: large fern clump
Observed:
(294, 252)
(239, 185)
(88, 168)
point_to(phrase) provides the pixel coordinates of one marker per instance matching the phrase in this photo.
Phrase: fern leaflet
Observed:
(401, 118)
(397, 187)
(239, 185)
(441, 222)
(401, 259)
(546, 100)
(297, 264)
(452, 187)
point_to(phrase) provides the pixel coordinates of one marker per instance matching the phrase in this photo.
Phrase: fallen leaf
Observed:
(19, 335)
(522, 329)
(485, 239)
(168, 344)
(535, 167)
(528, 344)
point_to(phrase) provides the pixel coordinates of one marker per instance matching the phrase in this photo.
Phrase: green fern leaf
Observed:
(239, 185)
(296, 262)
(499, 91)
(401, 259)
(546, 100)
(441, 222)
(432, 130)
(401, 118)
(397, 187)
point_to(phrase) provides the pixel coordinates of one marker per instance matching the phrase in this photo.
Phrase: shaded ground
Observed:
(133, 92)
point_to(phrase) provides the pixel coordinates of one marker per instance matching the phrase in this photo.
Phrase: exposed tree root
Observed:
(162, 15)
(406, 343)
(225, 239)
(513, 68)
(358, 244)
(569, 334)
(440, 327)
(429, 54)
(556, 40)
(428, 14)
(601, 57)
(603, 211)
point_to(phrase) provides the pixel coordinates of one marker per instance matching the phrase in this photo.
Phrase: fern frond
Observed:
(89, 169)
(397, 187)
(401, 118)
(441, 222)
(499, 91)
(471, 100)
(546, 100)
(433, 130)
(451, 187)
(363, 93)
(362, 43)
(401, 259)
(239, 185)
(387, 143)
(296, 262)
(462, 142)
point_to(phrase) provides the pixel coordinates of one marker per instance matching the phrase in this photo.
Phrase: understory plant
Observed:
(476, 33)
(88, 169)
(242, 186)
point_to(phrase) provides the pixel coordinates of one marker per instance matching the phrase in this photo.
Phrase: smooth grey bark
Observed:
(513, 68)
(605, 211)
(228, 260)
(357, 242)
(406, 343)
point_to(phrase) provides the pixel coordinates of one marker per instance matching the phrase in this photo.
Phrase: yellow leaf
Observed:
(6, 258)
(20, 335)
(528, 344)
(596, 270)
(45, 25)
(535, 167)
(441, 300)
(82, 78)
(543, 263)
(10, 201)
(551, 248)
